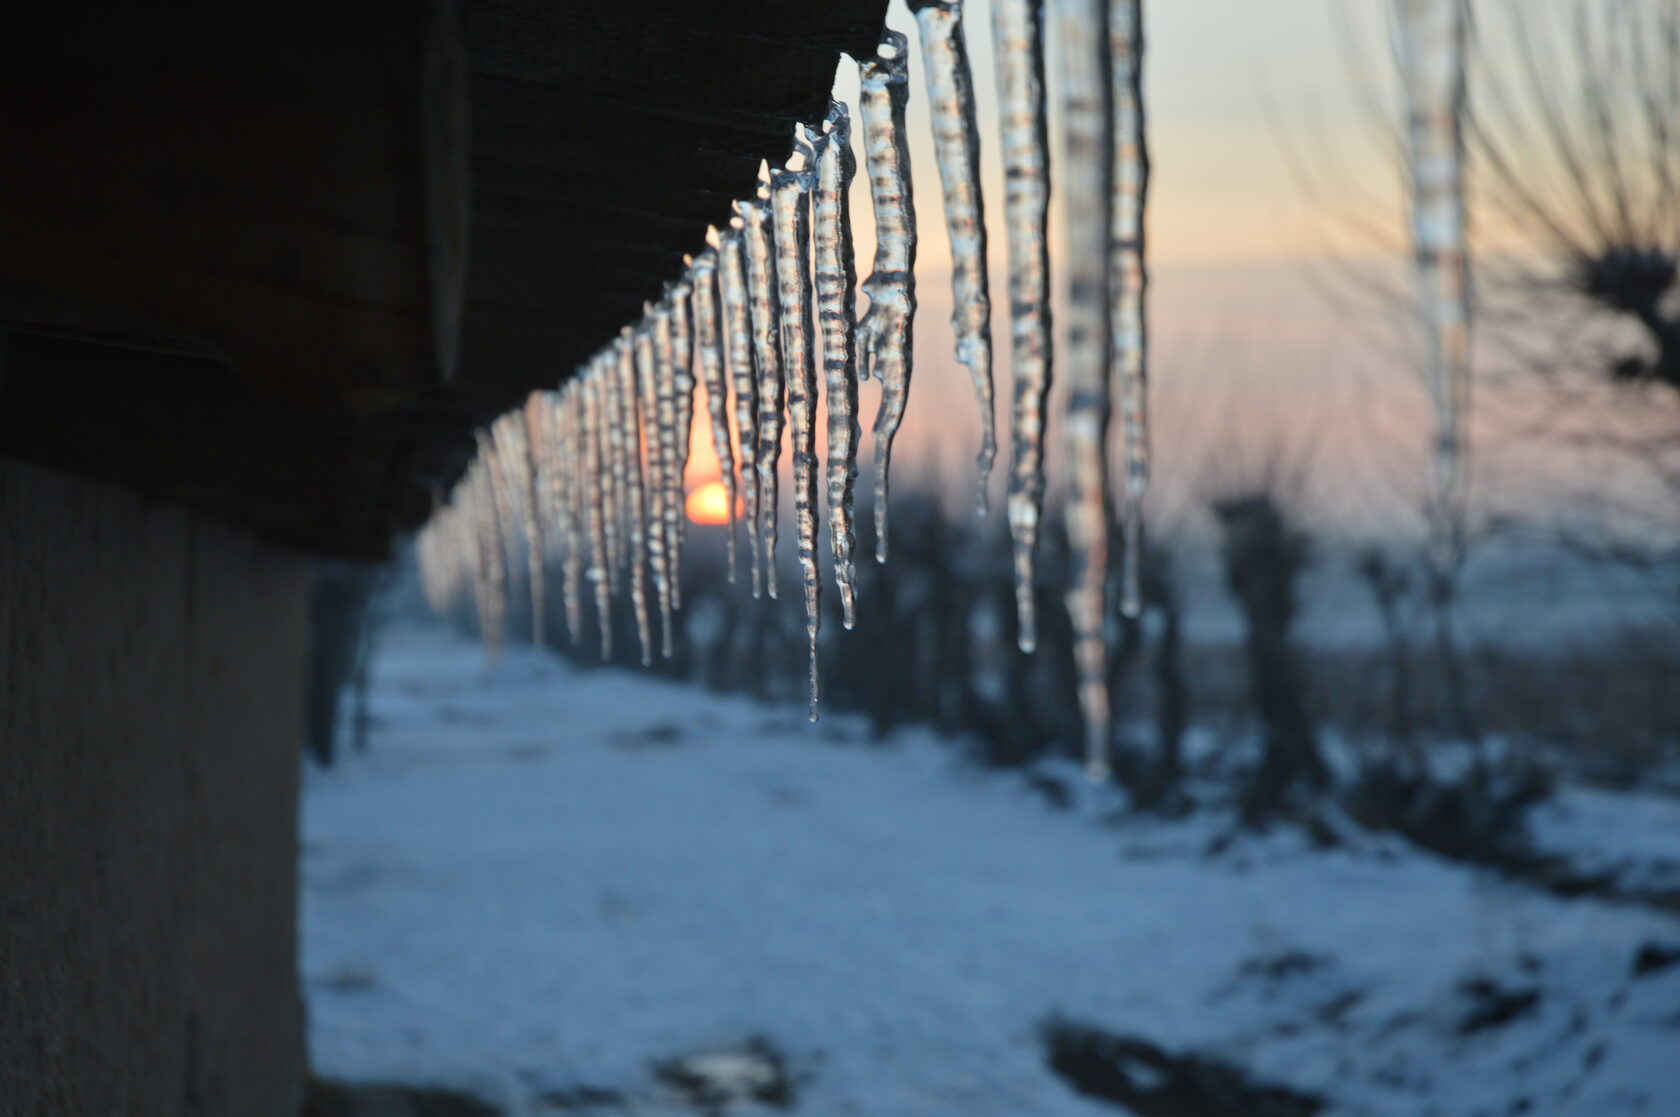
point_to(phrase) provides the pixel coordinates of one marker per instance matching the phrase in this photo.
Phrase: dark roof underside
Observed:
(261, 317)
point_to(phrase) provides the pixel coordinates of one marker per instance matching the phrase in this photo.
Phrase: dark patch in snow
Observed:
(1053, 789)
(664, 735)
(1653, 957)
(376, 1099)
(456, 715)
(349, 979)
(716, 1079)
(1334, 1011)
(1594, 1056)
(1151, 1082)
(1493, 1006)
(1288, 963)
(581, 1099)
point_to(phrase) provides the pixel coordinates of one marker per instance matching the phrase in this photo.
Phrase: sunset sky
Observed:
(1264, 329)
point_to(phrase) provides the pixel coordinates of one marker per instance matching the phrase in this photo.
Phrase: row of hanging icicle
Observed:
(600, 463)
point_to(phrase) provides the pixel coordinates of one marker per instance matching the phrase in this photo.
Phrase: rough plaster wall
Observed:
(151, 669)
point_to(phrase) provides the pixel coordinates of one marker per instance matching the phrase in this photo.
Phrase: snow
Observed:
(541, 879)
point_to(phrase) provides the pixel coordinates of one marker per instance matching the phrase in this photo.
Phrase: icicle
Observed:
(612, 471)
(472, 487)
(1128, 281)
(682, 387)
(626, 415)
(654, 473)
(956, 144)
(535, 545)
(569, 435)
(737, 336)
(514, 464)
(790, 194)
(593, 475)
(767, 350)
(502, 489)
(670, 481)
(836, 311)
(1084, 82)
(1432, 70)
(708, 350)
(492, 557)
(1019, 46)
(884, 333)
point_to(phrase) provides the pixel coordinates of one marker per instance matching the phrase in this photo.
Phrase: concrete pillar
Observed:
(151, 665)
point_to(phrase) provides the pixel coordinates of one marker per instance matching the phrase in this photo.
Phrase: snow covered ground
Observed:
(542, 883)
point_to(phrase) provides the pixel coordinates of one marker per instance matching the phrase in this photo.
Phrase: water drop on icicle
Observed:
(1431, 40)
(836, 296)
(593, 475)
(654, 473)
(627, 416)
(884, 333)
(709, 354)
(535, 542)
(767, 353)
(737, 337)
(956, 144)
(1018, 43)
(791, 202)
(1129, 280)
(1086, 124)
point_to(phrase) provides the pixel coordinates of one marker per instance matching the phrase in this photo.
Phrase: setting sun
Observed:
(709, 504)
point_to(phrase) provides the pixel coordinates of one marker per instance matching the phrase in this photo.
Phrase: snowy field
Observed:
(551, 887)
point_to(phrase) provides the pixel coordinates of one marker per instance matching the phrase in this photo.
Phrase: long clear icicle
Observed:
(1086, 120)
(1431, 37)
(956, 144)
(535, 543)
(682, 392)
(635, 513)
(884, 332)
(1129, 281)
(791, 201)
(653, 472)
(737, 337)
(593, 474)
(709, 354)
(1018, 42)
(665, 385)
(767, 353)
(613, 466)
(836, 311)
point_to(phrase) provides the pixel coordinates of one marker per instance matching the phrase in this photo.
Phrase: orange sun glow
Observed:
(709, 504)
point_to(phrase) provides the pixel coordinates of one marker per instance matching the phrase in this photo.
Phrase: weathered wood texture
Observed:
(345, 202)
(151, 665)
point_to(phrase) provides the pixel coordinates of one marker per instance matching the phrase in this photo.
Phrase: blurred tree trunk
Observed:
(339, 594)
(1264, 556)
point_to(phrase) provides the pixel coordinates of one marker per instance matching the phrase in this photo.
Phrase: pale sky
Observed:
(1237, 324)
